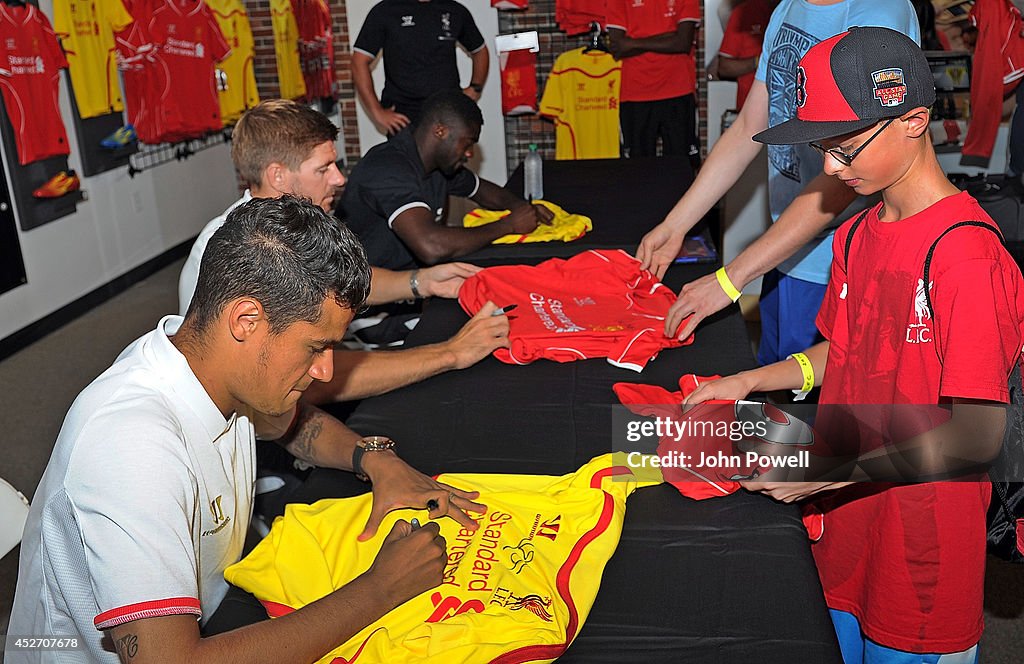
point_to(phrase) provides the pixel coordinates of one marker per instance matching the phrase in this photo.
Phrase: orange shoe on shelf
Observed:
(61, 184)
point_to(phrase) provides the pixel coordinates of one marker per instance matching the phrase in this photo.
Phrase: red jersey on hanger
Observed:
(30, 64)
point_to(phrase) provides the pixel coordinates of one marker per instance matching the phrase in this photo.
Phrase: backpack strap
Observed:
(931, 251)
(849, 239)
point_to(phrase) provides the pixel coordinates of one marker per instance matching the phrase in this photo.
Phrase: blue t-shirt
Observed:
(796, 26)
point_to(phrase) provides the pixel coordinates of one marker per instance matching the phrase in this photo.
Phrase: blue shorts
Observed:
(858, 649)
(788, 309)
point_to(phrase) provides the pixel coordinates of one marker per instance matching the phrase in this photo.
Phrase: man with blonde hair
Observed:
(283, 147)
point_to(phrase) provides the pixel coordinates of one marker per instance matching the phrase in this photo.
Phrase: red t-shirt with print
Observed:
(909, 560)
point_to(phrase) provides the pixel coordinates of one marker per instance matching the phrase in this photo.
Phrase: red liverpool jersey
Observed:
(188, 42)
(596, 304)
(30, 64)
(141, 79)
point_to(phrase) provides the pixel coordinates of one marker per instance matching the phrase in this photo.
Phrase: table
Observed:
(717, 581)
(601, 189)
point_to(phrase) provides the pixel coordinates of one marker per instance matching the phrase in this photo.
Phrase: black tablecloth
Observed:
(624, 198)
(717, 581)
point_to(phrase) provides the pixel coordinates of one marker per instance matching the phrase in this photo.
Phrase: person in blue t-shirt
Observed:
(806, 206)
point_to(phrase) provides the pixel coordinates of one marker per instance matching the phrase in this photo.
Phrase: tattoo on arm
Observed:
(301, 441)
(127, 647)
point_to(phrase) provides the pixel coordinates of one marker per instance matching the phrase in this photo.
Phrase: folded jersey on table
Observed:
(516, 590)
(565, 227)
(596, 304)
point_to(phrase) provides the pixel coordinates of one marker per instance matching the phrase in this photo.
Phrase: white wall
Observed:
(489, 161)
(124, 223)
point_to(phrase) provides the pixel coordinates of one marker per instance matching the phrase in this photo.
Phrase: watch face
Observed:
(376, 443)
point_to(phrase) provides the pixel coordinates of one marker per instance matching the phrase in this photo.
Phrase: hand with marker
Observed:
(411, 560)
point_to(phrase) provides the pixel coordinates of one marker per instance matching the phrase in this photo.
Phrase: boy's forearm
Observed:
(787, 375)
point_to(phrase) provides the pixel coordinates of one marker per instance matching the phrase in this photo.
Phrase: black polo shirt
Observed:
(386, 182)
(418, 40)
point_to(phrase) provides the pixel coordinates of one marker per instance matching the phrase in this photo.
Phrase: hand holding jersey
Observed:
(697, 300)
(444, 280)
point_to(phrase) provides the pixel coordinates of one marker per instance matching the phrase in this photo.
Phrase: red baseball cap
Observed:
(849, 82)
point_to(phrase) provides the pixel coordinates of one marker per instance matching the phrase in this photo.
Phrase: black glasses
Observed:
(847, 159)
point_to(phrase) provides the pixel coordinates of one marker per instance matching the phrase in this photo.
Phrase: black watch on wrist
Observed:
(368, 444)
(476, 87)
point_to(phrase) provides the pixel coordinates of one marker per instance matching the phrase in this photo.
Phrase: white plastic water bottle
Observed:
(533, 175)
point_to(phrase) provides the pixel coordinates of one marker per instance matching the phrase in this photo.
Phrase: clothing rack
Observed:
(151, 156)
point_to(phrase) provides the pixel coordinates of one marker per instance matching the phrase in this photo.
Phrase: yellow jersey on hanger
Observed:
(286, 46)
(86, 31)
(237, 90)
(582, 97)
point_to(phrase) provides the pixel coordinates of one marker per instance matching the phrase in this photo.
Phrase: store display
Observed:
(30, 64)
(59, 185)
(86, 31)
(168, 59)
(238, 89)
(286, 48)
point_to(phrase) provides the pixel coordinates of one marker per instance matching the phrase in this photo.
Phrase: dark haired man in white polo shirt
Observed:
(148, 493)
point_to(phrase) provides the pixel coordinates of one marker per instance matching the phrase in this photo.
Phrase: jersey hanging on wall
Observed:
(30, 64)
(518, 81)
(286, 49)
(237, 88)
(518, 589)
(138, 74)
(316, 47)
(86, 31)
(596, 304)
(582, 97)
(173, 49)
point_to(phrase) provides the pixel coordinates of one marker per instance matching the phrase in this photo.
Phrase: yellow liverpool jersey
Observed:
(565, 227)
(286, 46)
(237, 91)
(86, 30)
(582, 97)
(519, 587)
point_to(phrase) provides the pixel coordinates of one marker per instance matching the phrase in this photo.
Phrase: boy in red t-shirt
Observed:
(902, 565)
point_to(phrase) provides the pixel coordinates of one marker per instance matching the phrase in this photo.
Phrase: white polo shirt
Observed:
(190, 272)
(145, 501)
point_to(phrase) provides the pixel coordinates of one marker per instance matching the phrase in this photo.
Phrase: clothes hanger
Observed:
(598, 39)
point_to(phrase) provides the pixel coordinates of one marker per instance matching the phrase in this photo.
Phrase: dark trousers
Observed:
(1016, 165)
(674, 121)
